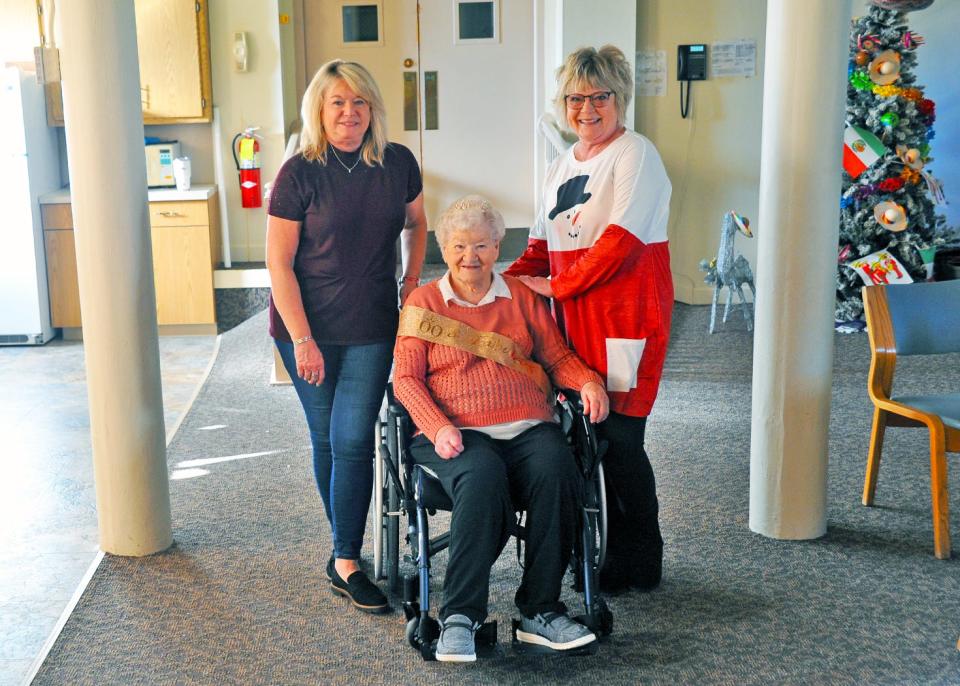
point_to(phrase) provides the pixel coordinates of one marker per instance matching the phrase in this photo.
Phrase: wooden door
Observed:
(394, 45)
(482, 137)
(474, 126)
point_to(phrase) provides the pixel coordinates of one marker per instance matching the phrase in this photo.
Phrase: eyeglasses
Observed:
(599, 100)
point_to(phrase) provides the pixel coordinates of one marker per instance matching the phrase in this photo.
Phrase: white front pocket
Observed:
(623, 360)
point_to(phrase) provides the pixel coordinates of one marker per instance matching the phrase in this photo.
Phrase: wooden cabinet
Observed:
(61, 265)
(173, 46)
(185, 236)
(185, 249)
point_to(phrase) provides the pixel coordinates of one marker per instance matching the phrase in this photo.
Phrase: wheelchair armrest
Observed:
(572, 396)
(393, 405)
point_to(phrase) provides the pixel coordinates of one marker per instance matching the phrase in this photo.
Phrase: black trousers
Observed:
(634, 542)
(488, 482)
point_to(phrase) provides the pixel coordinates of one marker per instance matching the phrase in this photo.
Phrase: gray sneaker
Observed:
(554, 630)
(456, 639)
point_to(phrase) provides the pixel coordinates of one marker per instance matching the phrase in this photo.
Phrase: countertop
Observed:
(197, 192)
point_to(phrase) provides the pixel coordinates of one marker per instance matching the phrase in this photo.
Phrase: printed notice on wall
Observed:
(736, 58)
(651, 72)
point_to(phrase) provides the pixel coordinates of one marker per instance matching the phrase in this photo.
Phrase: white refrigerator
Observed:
(29, 167)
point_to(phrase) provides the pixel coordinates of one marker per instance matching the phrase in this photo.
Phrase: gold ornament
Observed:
(861, 58)
(911, 176)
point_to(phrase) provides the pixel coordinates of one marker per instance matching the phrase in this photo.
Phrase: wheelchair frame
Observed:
(399, 491)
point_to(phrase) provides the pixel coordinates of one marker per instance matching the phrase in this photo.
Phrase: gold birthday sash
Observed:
(436, 328)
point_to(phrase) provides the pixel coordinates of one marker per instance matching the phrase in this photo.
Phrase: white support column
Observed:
(104, 132)
(803, 107)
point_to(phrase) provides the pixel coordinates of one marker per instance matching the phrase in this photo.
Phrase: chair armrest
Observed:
(572, 396)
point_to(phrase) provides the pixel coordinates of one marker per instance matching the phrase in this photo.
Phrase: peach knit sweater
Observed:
(441, 385)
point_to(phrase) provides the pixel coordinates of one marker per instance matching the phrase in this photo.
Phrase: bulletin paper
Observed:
(651, 72)
(736, 58)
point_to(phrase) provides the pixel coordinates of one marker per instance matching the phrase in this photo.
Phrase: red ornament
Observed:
(891, 185)
(926, 106)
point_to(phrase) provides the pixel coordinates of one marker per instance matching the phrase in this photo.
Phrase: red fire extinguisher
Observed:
(246, 155)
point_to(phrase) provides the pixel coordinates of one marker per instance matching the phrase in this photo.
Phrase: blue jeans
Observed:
(340, 414)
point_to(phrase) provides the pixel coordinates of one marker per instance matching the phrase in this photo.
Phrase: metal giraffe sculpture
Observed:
(730, 270)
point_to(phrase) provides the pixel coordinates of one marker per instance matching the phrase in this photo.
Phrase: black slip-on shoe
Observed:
(647, 570)
(330, 568)
(362, 593)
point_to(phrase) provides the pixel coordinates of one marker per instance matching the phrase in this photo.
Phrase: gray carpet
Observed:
(242, 597)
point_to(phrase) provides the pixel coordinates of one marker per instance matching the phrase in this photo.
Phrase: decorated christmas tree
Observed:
(889, 230)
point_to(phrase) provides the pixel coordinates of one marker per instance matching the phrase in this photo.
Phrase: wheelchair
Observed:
(404, 490)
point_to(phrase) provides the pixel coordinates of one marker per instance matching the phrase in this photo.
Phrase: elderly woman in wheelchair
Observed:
(475, 356)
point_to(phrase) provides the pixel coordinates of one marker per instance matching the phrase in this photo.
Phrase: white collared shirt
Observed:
(498, 289)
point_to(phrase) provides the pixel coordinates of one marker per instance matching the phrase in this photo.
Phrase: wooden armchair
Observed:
(914, 319)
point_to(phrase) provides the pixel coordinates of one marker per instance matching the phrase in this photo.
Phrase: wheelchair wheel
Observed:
(599, 482)
(392, 534)
(379, 482)
(391, 527)
(595, 510)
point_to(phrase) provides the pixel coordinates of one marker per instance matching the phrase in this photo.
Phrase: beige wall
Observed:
(597, 23)
(252, 98)
(19, 32)
(713, 157)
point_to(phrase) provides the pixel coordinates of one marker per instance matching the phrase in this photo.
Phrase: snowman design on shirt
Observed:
(570, 197)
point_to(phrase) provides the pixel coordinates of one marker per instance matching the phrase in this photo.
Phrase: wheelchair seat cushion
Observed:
(434, 497)
(946, 406)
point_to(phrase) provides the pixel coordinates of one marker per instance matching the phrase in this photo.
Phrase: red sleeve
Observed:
(562, 365)
(598, 264)
(535, 260)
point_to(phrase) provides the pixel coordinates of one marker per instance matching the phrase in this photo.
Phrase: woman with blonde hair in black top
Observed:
(336, 211)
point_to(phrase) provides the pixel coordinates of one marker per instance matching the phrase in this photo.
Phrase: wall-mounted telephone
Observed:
(692, 62)
(240, 52)
(691, 66)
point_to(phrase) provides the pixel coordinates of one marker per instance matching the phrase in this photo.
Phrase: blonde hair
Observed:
(469, 212)
(313, 139)
(606, 69)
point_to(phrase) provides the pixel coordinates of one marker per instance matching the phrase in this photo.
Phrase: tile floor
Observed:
(48, 539)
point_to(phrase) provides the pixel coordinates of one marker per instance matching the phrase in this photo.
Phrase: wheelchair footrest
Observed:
(601, 625)
(423, 632)
(524, 648)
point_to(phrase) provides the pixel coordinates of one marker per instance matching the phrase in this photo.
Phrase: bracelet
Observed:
(402, 279)
(298, 341)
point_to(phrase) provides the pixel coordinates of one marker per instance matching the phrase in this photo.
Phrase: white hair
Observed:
(470, 212)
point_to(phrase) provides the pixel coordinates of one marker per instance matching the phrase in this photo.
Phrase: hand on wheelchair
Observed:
(449, 442)
(596, 402)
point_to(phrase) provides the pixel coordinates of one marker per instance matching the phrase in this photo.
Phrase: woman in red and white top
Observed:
(488, 430)
(601, 237)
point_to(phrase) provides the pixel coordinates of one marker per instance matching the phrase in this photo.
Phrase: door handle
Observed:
(430, 115)
(409, 99)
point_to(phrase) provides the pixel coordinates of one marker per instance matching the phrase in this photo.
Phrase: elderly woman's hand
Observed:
(596, 403)
(309, 362)
(538, 284)
(449, 442)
